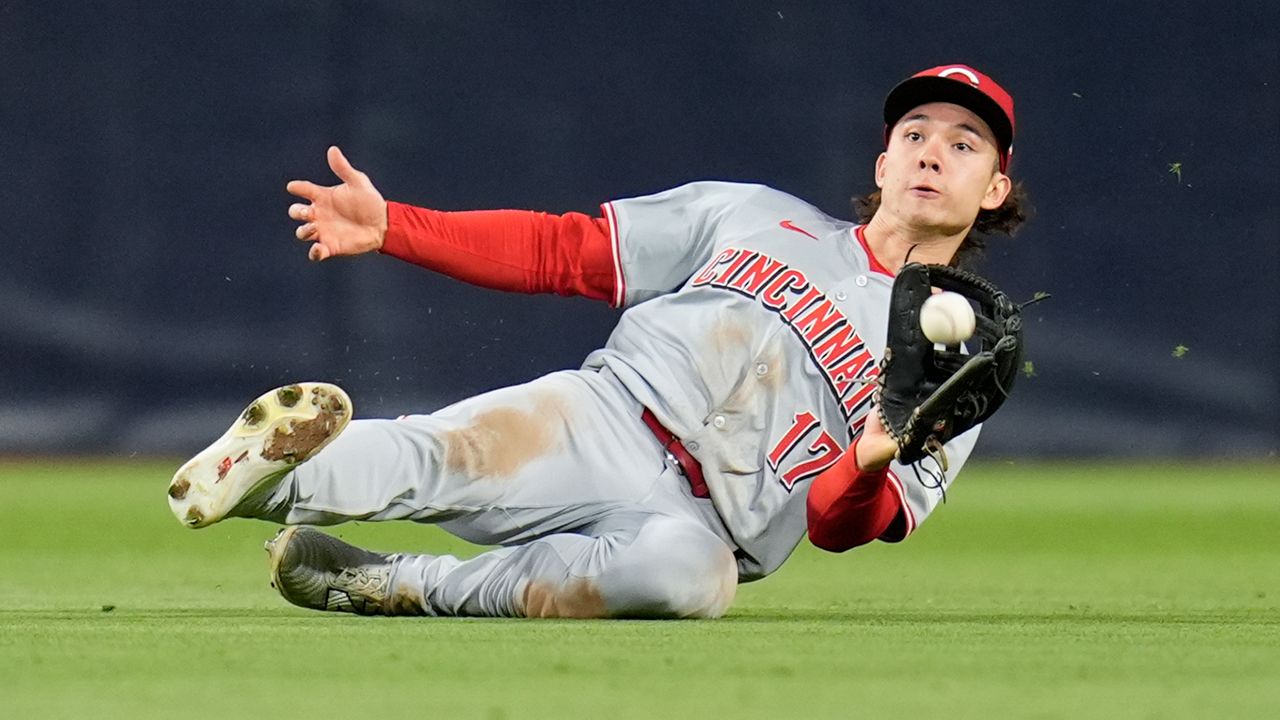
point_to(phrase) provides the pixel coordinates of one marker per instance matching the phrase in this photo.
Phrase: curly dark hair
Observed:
(1004, 220)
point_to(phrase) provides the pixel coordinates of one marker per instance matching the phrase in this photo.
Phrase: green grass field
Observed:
(1043, 591)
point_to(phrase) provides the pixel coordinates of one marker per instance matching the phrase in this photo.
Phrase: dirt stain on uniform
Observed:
(728, 350)
(500, 441)
(729, 337)
(764, 374)
(577, 599)
(404, 600)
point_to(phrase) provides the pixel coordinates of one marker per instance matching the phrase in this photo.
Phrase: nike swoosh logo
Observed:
(786, 224)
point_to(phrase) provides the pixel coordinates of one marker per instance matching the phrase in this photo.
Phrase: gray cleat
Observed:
(320, 572)
(280, 430)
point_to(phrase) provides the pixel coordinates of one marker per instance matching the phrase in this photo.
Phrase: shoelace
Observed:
(366, 582)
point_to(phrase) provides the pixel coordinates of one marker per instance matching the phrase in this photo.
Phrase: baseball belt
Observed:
(689, 466)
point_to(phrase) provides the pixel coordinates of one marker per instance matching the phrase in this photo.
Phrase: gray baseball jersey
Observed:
(755, 324)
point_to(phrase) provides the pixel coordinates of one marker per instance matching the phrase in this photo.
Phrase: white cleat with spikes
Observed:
(277, 432)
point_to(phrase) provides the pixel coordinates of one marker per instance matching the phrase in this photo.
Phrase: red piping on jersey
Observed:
(620, 282)
(687, 463)
(871, 257)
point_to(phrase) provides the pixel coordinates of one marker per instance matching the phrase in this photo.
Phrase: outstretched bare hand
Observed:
(346, 219)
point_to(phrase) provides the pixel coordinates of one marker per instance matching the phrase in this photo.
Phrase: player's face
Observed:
(941, 167)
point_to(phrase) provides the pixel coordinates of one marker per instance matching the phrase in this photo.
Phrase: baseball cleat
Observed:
(320, 572)
(277, 432)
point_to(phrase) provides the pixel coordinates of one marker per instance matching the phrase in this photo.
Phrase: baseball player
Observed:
(730, 412)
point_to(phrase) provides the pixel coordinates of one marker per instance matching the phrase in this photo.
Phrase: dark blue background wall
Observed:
(150, 283)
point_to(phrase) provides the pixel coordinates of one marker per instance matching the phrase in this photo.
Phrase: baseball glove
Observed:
(926, 396)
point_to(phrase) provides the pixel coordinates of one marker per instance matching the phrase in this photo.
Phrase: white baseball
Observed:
(947, 318)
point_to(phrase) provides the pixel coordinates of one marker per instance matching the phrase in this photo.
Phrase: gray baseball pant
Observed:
(561, 471)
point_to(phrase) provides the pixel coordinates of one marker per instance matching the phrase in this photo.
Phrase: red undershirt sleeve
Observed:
(848, 507)
(513, 250)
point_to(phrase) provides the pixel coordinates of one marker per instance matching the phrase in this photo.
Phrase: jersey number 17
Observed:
(821, 453)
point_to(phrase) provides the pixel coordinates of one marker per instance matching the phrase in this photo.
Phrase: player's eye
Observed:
(964, 147)
(913, 136)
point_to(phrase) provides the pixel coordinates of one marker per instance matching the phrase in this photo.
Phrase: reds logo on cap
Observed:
(960, 85)
(970, 75)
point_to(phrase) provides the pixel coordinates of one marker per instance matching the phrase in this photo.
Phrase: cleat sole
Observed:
(275, 433)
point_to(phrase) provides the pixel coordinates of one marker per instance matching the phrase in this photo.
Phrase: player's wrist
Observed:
(873, 454)
(381, 224)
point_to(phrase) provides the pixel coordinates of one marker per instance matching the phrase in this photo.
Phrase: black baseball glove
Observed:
(927, 396)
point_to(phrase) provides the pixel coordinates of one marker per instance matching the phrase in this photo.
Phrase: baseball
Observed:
(947, 318)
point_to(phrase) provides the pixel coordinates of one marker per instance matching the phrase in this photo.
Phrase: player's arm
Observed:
(514, 250)
(852, 502)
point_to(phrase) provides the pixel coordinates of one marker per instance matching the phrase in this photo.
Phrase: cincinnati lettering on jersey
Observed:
(832, 341)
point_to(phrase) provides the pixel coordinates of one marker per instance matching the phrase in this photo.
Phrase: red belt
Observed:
(688, 465)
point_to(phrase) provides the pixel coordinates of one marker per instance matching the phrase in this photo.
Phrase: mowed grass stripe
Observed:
(1040, 590)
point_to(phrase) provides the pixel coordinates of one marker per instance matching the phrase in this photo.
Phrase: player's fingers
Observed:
(341, 167)
(318, 252)
(300, 211)
(306, 231)
(304, 189)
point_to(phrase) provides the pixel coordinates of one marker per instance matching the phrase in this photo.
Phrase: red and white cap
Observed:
(960, 85)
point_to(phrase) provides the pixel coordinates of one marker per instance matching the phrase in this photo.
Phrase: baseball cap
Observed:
(960, 85)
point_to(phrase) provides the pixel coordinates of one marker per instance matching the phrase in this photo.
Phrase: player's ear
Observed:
(997, 191)
(880, 170)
